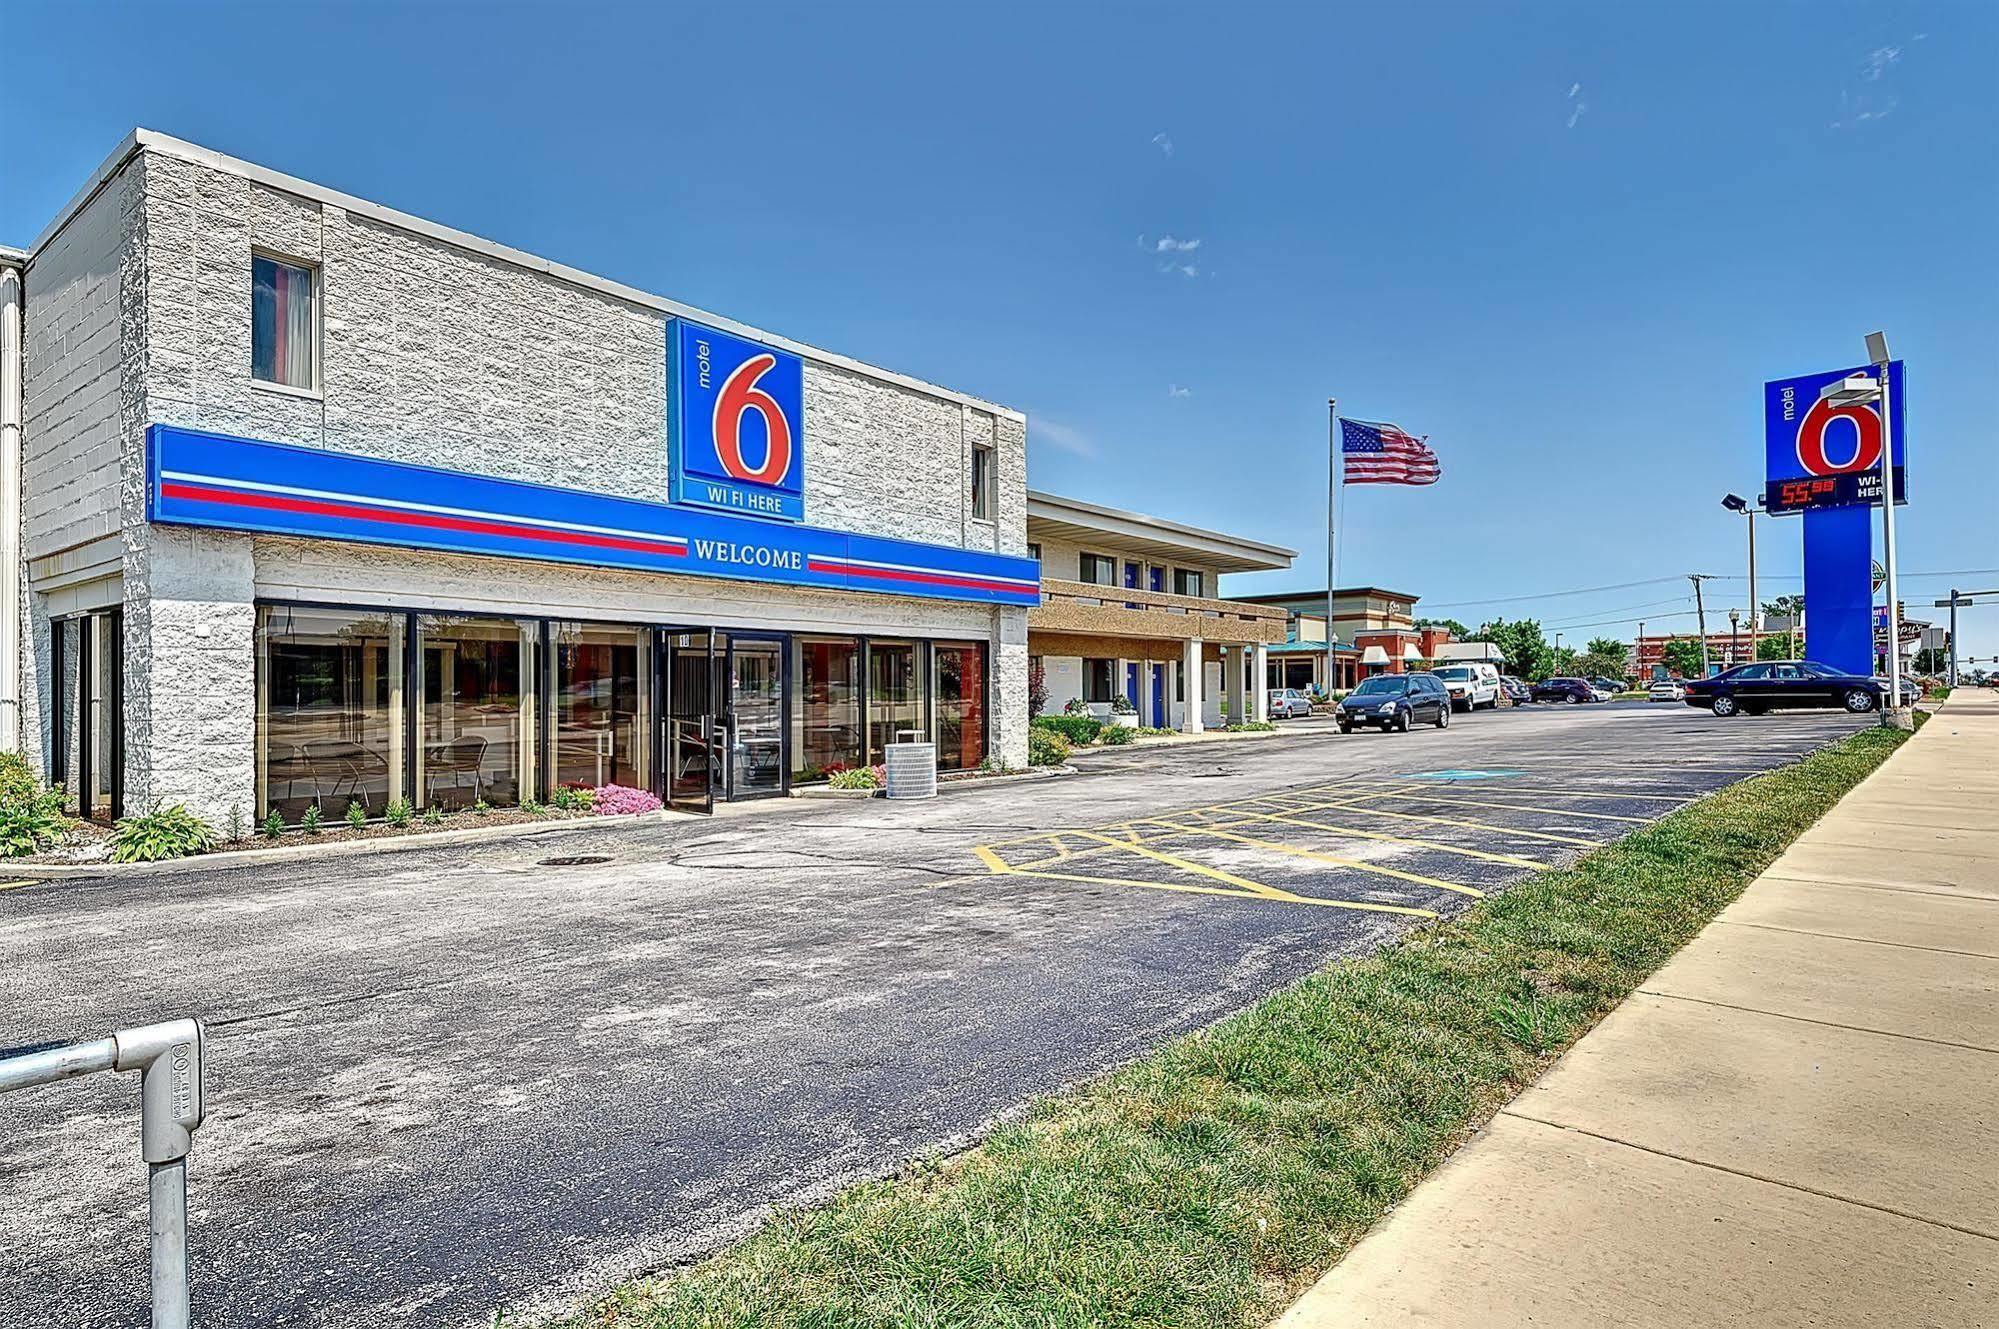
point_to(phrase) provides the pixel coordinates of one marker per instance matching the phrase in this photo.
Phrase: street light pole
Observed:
(1332, 498)
(1700, 617)
(1755, 606)
(1893, 713)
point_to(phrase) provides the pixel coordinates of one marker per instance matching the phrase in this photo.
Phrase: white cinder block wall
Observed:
(139, 312)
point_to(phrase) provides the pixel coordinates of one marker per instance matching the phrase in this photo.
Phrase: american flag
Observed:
(1382, 454)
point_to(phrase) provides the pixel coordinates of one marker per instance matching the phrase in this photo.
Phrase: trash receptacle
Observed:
(912, 766)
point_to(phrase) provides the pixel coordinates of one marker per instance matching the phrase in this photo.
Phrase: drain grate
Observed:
(574, 860)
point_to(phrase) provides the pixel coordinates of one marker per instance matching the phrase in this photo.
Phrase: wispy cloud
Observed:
(1182, 269)
(1166, 244)
(1061, 437)
(1576, 104)
(1174, 390)
(1163, 143)
(1871, 95)
(1173, 253)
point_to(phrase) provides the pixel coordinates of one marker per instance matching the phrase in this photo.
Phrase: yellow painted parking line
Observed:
(16, 885)
(1188, 865)
(1592, 793)
(1437, 845)
(1372, 811)
(1515, 807)
(1360, 865)
(1243, 888)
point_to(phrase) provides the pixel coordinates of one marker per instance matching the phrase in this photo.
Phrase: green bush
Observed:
(1250, 727)
(170, 832)
(1117, 736)
(398, 812)
(274, 825)
(858, 777)
(1079, 730)
(434, 815)
(309, 823)
(357, 816)
(575, 800)
(1045, 747)
(31, 815)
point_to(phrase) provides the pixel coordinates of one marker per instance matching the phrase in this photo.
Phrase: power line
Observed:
(1550, 595)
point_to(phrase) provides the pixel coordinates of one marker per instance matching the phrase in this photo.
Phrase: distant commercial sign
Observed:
(1818, 455)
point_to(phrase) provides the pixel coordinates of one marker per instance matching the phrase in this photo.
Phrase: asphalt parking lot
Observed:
(451, 1080)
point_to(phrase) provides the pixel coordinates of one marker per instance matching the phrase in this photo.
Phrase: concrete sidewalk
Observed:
(1795, 1122)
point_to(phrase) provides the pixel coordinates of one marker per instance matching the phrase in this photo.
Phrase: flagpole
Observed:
(1332, 499)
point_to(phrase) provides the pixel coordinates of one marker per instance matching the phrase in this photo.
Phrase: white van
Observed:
(1473, 685)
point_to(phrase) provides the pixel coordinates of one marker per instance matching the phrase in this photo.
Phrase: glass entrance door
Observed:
(687, 721)
(754, 719)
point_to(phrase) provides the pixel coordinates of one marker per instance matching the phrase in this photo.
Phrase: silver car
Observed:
(1667, 689)
(1288, 704)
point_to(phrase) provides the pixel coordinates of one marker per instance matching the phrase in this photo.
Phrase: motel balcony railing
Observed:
(1116, 611)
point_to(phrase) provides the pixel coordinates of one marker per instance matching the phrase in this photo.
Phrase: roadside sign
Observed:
(1818, 455)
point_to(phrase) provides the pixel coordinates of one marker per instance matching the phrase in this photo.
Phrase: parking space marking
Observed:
(1372, 811)
(1277, 846)
(1249, 890)
(1513, 807)
(1437, 845)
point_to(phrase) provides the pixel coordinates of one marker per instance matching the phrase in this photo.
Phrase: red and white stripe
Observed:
(903, 572)
(1403, 460)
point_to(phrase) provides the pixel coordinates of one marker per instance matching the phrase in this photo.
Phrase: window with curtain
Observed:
(1096, 569)
(982, 483)
(1099, 680)
(284, 341)
(1186, 582)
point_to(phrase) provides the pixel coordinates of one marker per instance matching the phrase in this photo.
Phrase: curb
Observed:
(332, 849)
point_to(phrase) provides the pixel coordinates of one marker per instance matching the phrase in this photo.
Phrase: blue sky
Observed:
(1566, 241)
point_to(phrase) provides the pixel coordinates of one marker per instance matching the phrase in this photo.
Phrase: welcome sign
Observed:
(196, 478)
(737, 422)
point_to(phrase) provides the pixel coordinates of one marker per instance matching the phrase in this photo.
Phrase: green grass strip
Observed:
(1210, 1182)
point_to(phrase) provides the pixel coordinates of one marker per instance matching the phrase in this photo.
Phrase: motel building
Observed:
(1130, 612)
(307, 501)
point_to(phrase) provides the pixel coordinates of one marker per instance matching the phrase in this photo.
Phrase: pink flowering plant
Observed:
(618, 800)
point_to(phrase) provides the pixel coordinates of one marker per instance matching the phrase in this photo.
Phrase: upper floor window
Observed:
(284, 323)
(1186, 582)
(982, 481)
(1034, 550)
(1096, 569)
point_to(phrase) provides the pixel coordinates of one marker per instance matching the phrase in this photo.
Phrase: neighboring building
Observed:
(1129, 608)
(323, 502)
(1375, 629)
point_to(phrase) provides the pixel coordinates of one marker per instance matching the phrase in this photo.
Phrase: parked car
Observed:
(1912, 691)
(1667, 689)
(1573, 691)
(1770, 685)
(1395, 701)
(1472, 686)
(1516, 689)
(1609, 687)
(1288, 704)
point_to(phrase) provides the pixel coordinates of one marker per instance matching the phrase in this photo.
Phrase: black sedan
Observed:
(1574, 691)
(1770, 685)
(1395, 701)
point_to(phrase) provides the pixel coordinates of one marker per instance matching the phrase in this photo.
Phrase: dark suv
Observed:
(1571, 690)
(1395, 701)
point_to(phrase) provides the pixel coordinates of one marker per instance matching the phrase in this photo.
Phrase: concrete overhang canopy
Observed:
(1072, 521)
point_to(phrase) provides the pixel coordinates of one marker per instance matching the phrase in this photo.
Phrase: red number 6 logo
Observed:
(1812, 454)
(739, 396)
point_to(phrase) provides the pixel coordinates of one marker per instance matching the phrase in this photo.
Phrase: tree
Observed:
(1778, 647)
(1457, 629)
(1612, 646)
(1520, 644)
(1682, 656)
(1603, 664)
(1934, 660)
(1785, 606)
(1037, 681)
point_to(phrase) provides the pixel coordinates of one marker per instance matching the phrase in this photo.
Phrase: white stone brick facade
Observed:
(436, 349)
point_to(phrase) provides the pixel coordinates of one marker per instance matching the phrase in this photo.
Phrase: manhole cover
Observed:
(574, 860)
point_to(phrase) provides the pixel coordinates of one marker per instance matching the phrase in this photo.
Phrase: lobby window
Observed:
(284, 323)
(1096, 569)
(1099, 680)
(1186, 582)
(476, 735)
(825, 707)
(1034, 550)
(982, 481)
(329, 710)
(959, 700)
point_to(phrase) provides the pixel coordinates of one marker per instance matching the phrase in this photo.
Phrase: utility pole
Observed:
(1700, 615)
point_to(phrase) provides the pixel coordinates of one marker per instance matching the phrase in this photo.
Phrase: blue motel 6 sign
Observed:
(737, 424)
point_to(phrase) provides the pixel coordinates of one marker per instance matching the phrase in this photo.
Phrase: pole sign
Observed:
(737, 420)
(1819, 455)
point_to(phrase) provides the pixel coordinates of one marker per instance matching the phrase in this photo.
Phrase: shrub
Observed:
(357, 816)
(1117, 736)
(309, 823)
(574, 798)
(1037, 686)
(1123, 705)
(398, 812)
(617, 800)
(533, 806)
(1080, 730)
(274, 825)
(235, 821)
(31, 815)
(433, 815)
(1250, 727)
(1045, 747)
(170, 832)
(480, 807)
(1076, 706)
(860, 777)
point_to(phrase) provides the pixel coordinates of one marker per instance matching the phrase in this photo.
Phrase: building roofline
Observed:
(12, 256)
(147, 140)
(1059, 508)
(1320, 594)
